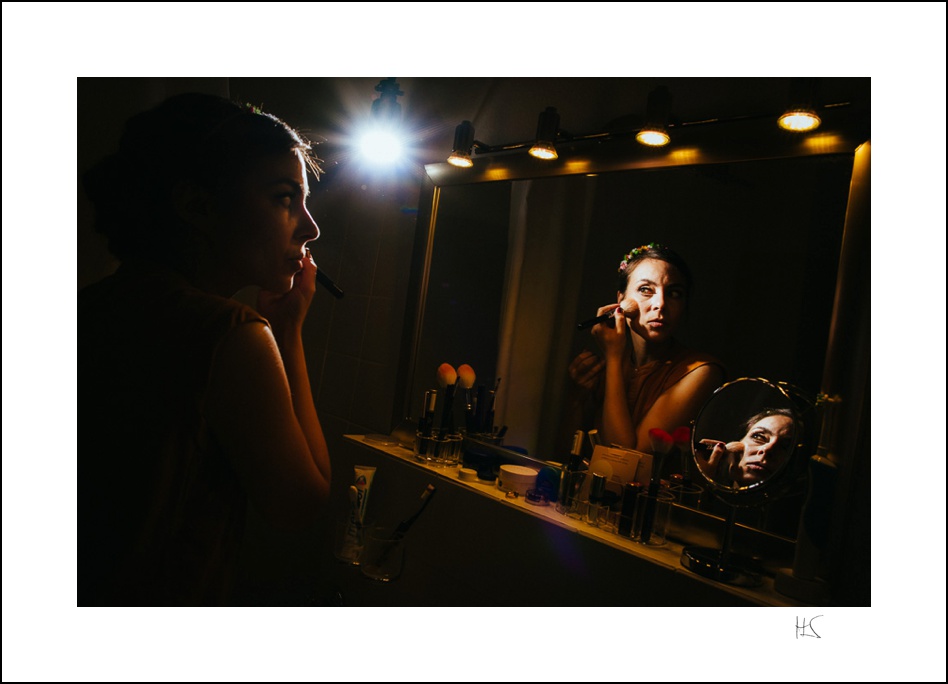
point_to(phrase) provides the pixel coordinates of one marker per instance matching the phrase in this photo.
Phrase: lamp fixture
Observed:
(801, 113)
(386, 106)
(547, 126)
(380, 141)
(463, 143)
(655, 131)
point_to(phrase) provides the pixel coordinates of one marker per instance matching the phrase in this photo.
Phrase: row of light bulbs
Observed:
(801, 116)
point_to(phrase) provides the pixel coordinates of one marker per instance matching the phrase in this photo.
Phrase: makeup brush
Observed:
(662, 443)
(490, 411)
(405, 524)
(431, 399)
(594, 321)
(448, 379)
(466, 378)
(327, 282)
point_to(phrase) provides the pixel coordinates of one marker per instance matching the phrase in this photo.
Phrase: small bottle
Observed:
(630, 492)
(573, 475)
(597, 488)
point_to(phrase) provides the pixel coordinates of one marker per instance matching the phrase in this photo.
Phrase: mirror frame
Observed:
(843, 130)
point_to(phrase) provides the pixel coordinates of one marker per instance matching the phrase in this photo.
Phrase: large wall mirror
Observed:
(518, 253)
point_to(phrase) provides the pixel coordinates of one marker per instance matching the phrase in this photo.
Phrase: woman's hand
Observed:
(612, 335)
(287, 311)
(717, 450)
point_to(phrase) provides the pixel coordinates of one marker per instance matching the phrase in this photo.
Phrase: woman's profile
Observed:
(194, 405)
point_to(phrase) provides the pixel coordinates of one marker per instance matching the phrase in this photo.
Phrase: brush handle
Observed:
(648, 516)
(327, 282)
(447, 411)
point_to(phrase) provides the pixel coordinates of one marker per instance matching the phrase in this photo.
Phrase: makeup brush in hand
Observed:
(448, 379)
(466, 378)
(662, 443)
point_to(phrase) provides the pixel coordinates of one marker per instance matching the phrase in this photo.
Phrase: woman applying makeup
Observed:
(193, 405)
(644, 378)
(766, 444)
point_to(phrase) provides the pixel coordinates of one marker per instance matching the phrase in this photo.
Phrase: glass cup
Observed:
(382, 557)
(436, 451)
(652, 512)
(570, 503)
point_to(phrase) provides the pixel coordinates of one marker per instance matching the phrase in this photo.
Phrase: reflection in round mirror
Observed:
(746, 440)
(747, 444)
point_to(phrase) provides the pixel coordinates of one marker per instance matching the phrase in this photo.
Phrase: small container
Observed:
(438, 451)
(570, 503)
(630, 492)
(597, 488)
(517, 478)
(652, 512)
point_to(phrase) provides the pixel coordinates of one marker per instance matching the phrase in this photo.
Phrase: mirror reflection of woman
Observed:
(644, 378)
(766, 445)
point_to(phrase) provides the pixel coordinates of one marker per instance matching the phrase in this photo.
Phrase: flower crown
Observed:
(636, 253)
(254, 109)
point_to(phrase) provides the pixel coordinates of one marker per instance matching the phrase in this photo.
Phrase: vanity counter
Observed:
(474, 546)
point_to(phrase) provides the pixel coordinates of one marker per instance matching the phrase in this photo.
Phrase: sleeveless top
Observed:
(645, 384)
(160, 509)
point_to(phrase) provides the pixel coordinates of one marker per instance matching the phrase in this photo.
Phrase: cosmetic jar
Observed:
(516, 478)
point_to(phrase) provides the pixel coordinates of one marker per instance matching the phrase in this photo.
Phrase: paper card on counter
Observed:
(619, 466)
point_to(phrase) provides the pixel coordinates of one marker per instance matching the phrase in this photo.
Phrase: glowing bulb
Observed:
(653, 137)
(461, 160)
(543, 150)
(799, 120)
(380, 146)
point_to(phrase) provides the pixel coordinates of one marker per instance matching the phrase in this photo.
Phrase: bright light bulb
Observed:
(799, 120)
(380, 146)
(543, 150)
(461, 160)
(652, 137)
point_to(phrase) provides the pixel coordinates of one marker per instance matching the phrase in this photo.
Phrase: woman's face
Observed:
(654, 299)
(262, 224)
(767, 445)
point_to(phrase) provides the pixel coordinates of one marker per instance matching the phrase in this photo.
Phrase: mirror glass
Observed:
(516, 264)
(746, 439)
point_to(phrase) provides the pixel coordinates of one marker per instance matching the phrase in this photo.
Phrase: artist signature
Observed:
(803, 626)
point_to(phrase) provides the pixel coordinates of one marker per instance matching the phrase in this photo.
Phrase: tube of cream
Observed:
(354, 537)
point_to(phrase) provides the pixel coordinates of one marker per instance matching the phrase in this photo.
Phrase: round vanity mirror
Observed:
(748, 444)
(746, 440)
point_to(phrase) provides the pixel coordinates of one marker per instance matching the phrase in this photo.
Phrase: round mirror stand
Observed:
(746, 444)
(722, 565)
